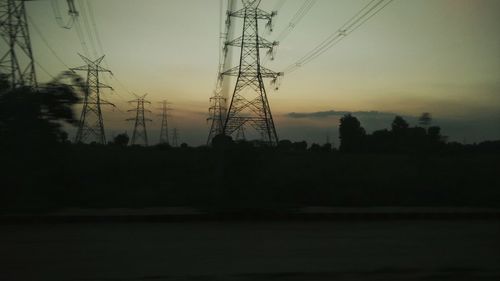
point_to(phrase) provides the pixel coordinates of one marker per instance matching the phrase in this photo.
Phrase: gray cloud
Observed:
(335, 113)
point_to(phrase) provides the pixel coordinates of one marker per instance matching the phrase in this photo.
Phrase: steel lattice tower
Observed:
(218, 102)
(217, 111)
(175, 137)
(249, 104)
(164, 123)
(91, 122)
(140, 135)
(16, 62)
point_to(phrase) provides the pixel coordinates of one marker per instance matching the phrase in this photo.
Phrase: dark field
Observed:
(243, 177)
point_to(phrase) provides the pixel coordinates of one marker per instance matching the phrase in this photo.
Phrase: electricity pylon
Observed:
(217, 111)
(16, 62)
(175, 137)
(164, 123)
(218, 102)
(140, 134)
(91, 122)
(249, 104)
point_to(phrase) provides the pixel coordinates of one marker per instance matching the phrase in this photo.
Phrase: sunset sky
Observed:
(437, 56)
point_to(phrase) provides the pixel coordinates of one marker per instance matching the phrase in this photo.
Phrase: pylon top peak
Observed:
(91, 62)
(251, 3)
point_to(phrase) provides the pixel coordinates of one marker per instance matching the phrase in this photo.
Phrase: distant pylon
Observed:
(91, 122)
(140, 135)
(217, 112)
(249, 104)
(16, 62)
(164, 139)
(175, 137)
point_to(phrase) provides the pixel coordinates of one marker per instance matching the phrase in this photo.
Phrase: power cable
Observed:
(361, 17)
(299, 15)
(81, 38)
(56, 9)
(44, 40)
(44, 70)
(95, 31)
(87, 28)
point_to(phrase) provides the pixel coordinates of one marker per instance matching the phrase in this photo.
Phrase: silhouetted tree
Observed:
(380, 141)
(425, 119)
(121, 140)
(327, 147)
(300, 146)
(29, 117)
(399, 125)
(285, 145)
(222, 141)
(434, 134)
(315, 147)
(351, 134)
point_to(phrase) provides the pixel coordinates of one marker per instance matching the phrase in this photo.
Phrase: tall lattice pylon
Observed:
(16, 58)
(164, 123)
(91, 125)
(217, 112)
(140, 134)
(218, 102)
(249, 104)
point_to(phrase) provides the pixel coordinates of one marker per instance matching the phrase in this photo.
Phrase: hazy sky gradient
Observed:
(440, 56)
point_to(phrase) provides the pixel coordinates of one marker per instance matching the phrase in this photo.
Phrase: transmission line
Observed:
(81, 38)
(92, 28)
(44, 70)
(299, 15)
(96, 31)
(44, 40)
(72, 12)
(361, 17)
(87, 28)
(279, 5)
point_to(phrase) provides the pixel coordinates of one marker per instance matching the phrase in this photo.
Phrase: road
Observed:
(378, 250)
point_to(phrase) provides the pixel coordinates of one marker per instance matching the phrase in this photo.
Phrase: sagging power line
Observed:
(72, 13)
(361, 17)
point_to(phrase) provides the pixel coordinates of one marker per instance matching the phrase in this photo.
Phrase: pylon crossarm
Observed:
(267, 73)
(232, 71)
(104, 86)
(102, 69)
(250, 42)
(105, 102)
(80, 68)
(252, 12)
